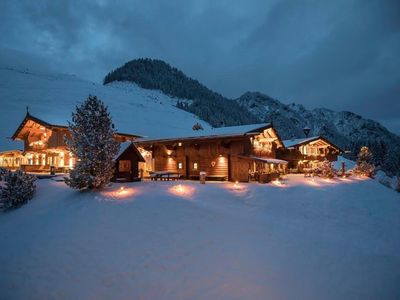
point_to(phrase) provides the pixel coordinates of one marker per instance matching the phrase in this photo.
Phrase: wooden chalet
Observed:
(237, 153)
(308, 153)
(44, 147)
(127, 163)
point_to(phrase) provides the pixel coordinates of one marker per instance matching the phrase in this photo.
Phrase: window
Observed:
(124, 166)
(195, 166)
(180, 165)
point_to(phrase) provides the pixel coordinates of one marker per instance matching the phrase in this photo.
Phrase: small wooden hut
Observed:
(127, 163)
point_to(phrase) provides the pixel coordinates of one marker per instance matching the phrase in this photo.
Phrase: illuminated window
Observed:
(179, 144)
(195, 166)
(180, 165)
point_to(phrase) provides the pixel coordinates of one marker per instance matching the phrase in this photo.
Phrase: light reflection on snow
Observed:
(312, 182)
(182, 190)
(278, 183)
(121, 193)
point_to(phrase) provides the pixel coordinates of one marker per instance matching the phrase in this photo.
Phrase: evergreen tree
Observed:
(92, 143)
(18, 188)
(327, 169)
(364, 164)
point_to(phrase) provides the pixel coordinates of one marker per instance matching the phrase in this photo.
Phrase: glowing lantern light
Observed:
(236, 185)
(182, 190)
(277, 182)
(119, 194)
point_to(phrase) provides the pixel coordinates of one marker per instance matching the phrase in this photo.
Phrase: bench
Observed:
(164, 176)
(216, 178)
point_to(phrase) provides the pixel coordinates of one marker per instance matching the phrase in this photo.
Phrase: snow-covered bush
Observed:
(364, 164)
(92, 143)
(17, 189)
(391, 182)
(327, 169)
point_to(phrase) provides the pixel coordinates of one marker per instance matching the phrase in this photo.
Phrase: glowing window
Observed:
(180, 165)
(195, 166)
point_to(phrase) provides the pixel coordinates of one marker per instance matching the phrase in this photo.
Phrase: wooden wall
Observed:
(216, 157)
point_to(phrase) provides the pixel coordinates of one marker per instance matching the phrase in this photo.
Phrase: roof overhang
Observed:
(318, 138)
(264, 159)
(29, 117)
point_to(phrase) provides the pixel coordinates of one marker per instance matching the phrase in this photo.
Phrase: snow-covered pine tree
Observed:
(18, 188)
(327, 169)
(93, 145)
(364, 164)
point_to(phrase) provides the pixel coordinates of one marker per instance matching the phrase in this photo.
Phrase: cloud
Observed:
(339, 54)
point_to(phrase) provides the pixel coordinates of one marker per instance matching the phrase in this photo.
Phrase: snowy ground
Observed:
(167, 240)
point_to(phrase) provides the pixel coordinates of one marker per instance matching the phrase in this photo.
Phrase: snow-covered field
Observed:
(304, 239)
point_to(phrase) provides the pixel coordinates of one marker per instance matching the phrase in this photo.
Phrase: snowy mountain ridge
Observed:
(346, 129)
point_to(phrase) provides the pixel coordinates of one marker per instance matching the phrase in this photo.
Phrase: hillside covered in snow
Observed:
(52, 97)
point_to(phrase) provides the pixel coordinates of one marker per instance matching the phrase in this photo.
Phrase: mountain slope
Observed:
(52, 97)
(348, 130)
(208, 105)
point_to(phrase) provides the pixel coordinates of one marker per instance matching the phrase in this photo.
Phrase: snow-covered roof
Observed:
(265, 159)
(294, 142)
(122, 148)
(214, 132)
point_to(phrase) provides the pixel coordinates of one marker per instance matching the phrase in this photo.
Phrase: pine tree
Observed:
(92, 143)
(18, 188)
(327, 169)
(364, 164)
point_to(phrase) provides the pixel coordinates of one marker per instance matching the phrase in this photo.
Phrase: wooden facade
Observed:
(237, 153)
(44, 147)
(223, 157)
(308, 153)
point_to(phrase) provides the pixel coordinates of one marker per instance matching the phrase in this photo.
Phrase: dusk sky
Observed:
(339, 54)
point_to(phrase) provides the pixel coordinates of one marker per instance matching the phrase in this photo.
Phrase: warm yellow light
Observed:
(182, 190)
(277, 182)
(118, 194)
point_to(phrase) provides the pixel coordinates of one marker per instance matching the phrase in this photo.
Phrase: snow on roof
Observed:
(214, 132)
(266, 159)
(294, 142)
(122, 148)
